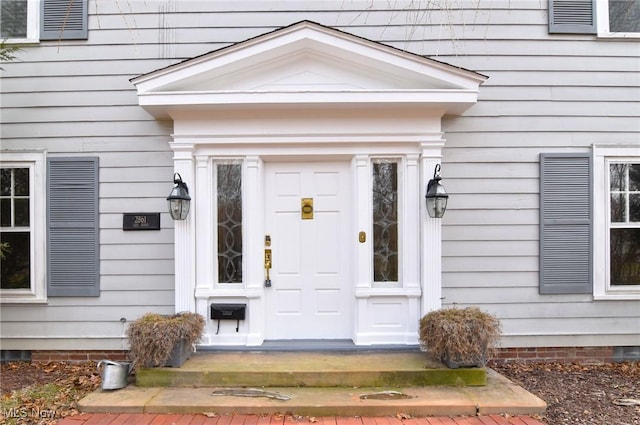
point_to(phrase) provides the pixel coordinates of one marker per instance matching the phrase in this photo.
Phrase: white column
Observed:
(431, 235)
(184, 232)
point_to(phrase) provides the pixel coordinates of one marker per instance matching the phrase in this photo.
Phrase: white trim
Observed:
(602, 20)
(35, 161)
(603, 155)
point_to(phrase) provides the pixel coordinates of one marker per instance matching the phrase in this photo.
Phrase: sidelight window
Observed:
(229, 213)
(385, 220)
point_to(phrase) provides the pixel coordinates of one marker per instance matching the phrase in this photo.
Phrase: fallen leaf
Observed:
(626, 402)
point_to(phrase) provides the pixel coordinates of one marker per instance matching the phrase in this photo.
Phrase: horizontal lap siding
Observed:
(73, 99)
(544, 94)
(549, 96)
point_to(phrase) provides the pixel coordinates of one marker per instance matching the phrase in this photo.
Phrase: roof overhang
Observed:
(307, 65)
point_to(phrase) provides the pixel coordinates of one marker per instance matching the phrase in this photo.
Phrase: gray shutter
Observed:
(572, 16)
(72, 223)
(565, 224)
(63, 20)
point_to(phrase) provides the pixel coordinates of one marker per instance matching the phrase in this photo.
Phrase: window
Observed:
(229, 190)
(385, 220)
(618, 18)
(30, 21)
(22, 228)
(19, 20)
(617, 222)
(624, 223)
(607, 18)
(16, 228)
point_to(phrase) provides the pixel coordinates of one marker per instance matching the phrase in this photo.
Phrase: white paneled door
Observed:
(311, 291)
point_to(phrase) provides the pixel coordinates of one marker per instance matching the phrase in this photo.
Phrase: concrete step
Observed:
(310, 369)
(499, 396)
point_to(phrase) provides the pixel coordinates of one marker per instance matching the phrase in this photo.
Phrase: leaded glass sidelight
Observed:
(385, 221)
(229, 189)
(624, 236)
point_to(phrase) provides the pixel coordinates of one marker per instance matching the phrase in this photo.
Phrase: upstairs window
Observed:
(19, 20)
(29, 21)
(606, 18)
(619, 18)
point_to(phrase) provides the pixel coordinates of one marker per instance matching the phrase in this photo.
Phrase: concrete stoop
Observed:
(315, 384)
(310, 369)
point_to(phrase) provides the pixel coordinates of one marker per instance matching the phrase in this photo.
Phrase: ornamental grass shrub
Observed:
(460, 335)
(153, 336)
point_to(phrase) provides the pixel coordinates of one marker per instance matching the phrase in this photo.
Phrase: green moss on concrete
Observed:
(165, 377)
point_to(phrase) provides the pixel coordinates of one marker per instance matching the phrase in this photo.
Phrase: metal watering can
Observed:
(114, 374)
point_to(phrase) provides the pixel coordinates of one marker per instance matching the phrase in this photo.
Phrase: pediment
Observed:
(307, 63)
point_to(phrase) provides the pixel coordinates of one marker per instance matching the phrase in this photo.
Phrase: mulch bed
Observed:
(581, 394)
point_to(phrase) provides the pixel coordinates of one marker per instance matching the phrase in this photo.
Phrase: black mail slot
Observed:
(228, 311)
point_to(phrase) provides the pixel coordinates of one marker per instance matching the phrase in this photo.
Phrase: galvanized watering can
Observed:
(114, 374)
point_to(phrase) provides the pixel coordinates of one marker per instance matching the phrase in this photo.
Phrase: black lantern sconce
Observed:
(179, 199)
(436, 195)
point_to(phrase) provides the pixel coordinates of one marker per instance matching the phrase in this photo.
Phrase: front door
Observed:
(307, 222)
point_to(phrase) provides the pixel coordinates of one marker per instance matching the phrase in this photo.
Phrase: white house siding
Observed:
(545, 93)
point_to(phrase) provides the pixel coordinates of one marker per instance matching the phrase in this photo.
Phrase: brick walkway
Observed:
(153, 419)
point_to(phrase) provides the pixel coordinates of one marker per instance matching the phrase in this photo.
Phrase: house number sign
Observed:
(141, 221)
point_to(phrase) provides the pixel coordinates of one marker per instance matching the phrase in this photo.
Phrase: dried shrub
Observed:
(462, 335)
(153, 336)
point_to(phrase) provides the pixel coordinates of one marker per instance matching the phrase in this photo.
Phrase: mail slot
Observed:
(228, 311)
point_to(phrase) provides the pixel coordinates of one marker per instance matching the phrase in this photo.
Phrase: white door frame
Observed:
(194, 274)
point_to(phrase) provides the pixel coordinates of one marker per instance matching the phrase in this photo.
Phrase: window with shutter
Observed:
(73, 257)
(22, 227)
(63, 20)
(19, 20)
(565, 224)
(618, 18)
(616, 222)
(572, 16)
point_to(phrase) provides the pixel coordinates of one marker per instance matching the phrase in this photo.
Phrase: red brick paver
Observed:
(153, 419)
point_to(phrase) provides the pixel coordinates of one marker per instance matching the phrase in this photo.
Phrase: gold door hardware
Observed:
(362, 237)
(307, 209)
(267, 240)
(267, 267)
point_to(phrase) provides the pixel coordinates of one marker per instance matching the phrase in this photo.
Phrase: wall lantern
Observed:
(179, 199)
(436, 195)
